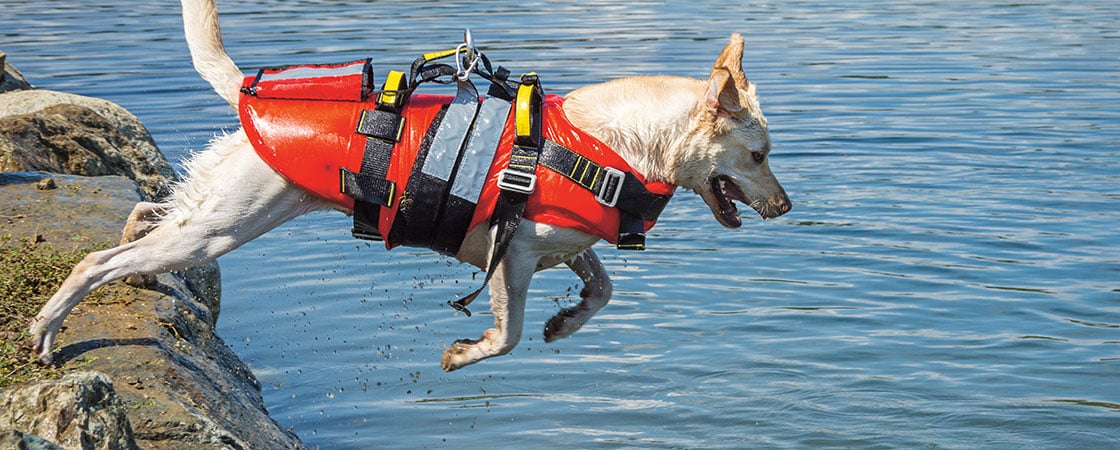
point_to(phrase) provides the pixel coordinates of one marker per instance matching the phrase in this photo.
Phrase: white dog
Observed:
(709, 137)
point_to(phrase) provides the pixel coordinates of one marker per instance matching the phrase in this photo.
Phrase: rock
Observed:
(64, 133)
(56, 132)
(79, 213)
(46, 184)
(180, 384)
(12, 439)
(81, 410)
(10, 78)
(205, 282)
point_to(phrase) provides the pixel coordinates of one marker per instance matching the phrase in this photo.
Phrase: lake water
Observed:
(949, 276)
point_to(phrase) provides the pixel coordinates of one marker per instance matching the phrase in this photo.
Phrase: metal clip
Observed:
(466, 55)
(611, 188)
(517, 181)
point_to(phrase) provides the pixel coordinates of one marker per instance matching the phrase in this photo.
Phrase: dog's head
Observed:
(730, 146)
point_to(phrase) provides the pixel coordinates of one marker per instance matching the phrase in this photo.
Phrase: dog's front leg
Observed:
(596, 293)
(508, 288)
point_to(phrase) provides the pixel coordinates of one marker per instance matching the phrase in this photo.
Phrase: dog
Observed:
(707, 136)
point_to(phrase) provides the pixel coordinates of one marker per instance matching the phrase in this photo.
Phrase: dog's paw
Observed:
(40, 342)
(142, 281)
(563, 324)
(46, 358)
(454, 357)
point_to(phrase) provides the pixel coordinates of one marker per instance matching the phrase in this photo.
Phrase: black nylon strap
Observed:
(500, 86)
(631, 232)
(507, 216)
(369, 184)
(637, 200)
(634, 199)
(369, 187)
(381, 124)
(414, 224)
(510, 207)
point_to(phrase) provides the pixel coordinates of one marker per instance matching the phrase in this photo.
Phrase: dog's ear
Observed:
(728, 79)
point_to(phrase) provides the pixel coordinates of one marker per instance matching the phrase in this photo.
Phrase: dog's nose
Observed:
(781, 203)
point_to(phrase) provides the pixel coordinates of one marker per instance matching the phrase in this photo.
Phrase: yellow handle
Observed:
(392, 85)
(523, 115)
(440, 54)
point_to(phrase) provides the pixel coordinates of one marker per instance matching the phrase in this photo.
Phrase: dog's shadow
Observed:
(74, 351)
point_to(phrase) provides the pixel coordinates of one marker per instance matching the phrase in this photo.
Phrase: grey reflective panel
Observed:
(480, 150)
(452, 131)
(354, 68)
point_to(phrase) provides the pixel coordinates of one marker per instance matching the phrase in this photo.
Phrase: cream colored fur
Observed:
(706, 136)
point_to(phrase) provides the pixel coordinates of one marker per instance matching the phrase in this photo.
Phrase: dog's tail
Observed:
(204, 38)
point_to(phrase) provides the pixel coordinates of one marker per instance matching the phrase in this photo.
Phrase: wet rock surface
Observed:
(143, 367)
(180, 384)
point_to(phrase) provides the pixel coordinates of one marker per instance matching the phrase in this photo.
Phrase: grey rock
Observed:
(10, 78)
(65, 133)
(81, 411)
(13, 439)
(46, 184)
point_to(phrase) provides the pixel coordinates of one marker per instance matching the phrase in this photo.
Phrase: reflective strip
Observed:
(313, 72)
(452, 131)
(479, 155)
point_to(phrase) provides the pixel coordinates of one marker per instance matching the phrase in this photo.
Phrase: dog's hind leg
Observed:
(142, 220)
(234, 198)
(596, 293)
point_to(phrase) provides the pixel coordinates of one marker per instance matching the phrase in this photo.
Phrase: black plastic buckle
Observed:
(632, 241)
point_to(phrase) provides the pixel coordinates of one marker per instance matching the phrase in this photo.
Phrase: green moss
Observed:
(29, 275)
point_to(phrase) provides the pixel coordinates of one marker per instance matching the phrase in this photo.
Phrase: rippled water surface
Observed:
(948, 276)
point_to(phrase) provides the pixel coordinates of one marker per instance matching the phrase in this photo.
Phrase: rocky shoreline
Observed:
(142, 368)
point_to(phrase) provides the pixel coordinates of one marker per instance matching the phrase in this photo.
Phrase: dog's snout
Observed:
(780, 203)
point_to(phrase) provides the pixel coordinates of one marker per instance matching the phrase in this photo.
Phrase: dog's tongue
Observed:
(726, 193)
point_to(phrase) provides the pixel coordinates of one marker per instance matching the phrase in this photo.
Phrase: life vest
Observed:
(442, 173)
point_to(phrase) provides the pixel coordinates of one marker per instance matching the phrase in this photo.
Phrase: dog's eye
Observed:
(758, 156)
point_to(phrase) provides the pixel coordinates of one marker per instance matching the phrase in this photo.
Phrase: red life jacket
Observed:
(304, 128)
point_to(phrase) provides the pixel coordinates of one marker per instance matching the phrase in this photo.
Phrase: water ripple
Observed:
(948, 275)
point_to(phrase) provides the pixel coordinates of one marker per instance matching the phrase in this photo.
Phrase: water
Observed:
(948, 277)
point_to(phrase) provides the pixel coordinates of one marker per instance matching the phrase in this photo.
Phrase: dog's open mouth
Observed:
(724, 193)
